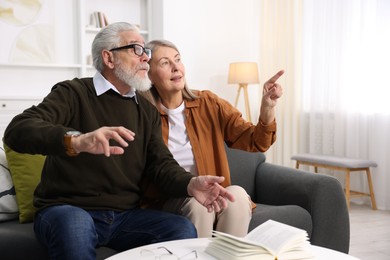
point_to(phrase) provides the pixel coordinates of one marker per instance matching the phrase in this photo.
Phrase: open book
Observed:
(271, 240)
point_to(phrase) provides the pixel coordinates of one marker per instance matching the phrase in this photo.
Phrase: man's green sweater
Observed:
(95, 181)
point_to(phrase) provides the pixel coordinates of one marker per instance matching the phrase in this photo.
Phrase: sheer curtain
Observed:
(280, 48)
(343, 107)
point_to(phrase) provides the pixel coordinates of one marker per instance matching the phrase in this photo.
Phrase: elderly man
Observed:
(101, 139)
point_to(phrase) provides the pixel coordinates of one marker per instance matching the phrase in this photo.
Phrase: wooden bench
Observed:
(347, 165)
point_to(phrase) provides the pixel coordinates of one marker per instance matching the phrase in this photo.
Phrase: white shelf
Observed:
(40, 65)
(19, 98)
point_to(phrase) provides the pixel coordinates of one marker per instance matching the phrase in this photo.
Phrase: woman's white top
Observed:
(178, 141)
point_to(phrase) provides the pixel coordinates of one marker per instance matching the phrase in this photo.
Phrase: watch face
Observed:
(72, 133)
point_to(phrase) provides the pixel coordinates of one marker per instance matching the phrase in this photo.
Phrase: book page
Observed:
(276, 237)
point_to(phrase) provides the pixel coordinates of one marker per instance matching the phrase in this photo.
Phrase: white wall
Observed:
(210, 34)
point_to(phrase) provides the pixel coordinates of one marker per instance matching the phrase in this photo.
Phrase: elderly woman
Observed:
(195, 126)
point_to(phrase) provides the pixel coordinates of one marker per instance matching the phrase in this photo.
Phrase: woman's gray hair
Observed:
(108, 38)
(152, 94)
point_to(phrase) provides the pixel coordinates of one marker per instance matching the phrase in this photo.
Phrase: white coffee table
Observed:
(185, 246)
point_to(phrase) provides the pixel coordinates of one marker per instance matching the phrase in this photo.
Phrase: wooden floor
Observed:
(370, 233)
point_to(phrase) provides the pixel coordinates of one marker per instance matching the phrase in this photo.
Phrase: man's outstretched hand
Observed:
(97, 142)
(208, 192)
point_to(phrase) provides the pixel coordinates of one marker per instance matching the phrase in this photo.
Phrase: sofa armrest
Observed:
(321, 195)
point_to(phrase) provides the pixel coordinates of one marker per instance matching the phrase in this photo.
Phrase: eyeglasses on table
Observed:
(163, 253)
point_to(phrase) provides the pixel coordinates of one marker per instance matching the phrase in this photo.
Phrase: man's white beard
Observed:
(130, 77)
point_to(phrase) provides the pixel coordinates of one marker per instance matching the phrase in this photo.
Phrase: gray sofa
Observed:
(309, 201)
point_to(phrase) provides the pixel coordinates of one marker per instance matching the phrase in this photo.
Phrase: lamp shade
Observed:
(243, 72)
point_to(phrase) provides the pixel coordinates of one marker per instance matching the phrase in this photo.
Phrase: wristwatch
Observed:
(68, 142)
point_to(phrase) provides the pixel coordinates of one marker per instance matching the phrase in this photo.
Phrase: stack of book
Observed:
(98, 20)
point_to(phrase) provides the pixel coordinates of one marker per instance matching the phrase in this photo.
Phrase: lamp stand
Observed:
(244, 86)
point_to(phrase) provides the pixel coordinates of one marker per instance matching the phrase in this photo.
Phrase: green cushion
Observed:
(26, 173)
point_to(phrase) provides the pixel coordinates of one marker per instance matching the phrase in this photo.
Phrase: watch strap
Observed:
(69, 150)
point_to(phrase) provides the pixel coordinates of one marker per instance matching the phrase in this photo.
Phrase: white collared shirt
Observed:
(102, 86)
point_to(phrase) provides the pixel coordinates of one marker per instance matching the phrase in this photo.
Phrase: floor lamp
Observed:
(243, 73)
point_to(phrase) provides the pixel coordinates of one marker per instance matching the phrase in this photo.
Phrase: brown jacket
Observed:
(211, 121)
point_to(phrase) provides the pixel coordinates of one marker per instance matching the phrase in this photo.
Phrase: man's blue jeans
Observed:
(70, 232)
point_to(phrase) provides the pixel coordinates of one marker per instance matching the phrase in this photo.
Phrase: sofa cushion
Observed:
(18, 241)
(8, 205)
(292, 215)
(26, 173)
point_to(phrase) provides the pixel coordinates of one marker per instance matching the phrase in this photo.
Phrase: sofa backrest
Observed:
(243, 166)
